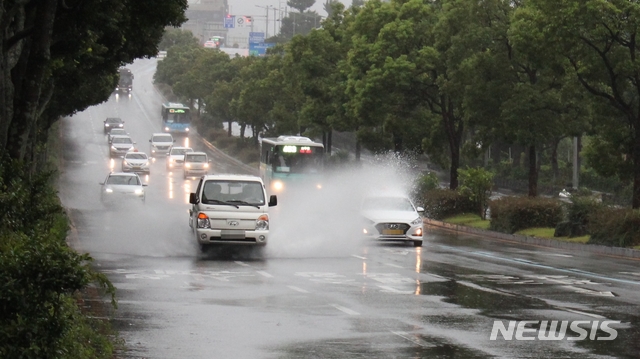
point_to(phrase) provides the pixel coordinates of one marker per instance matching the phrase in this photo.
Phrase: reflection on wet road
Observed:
(315, 294)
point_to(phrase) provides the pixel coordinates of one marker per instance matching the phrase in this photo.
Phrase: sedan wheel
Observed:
(417, 243)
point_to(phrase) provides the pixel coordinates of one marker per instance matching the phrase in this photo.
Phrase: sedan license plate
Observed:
(392, 231)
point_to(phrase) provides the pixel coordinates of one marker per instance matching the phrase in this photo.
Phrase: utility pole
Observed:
(266, 25)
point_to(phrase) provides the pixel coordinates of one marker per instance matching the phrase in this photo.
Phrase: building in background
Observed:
(206, 19)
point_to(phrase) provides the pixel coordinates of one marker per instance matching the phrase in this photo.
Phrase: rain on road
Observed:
(311, 293)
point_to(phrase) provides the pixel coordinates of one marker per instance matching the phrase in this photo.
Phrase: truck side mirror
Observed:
(192, 198)
(273, 200)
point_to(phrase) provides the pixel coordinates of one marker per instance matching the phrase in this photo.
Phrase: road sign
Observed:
(259, 49)
(229, 22)
(256, 37)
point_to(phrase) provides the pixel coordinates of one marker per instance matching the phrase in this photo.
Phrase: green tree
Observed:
(476, 184)
(300, 5)
(598, 39)
(50, 48)
(177, 37)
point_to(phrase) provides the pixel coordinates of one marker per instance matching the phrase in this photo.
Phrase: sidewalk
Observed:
(536, 241)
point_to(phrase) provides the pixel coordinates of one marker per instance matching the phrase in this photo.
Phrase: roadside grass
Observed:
(473, 220)
(468, 219)
(548, 233)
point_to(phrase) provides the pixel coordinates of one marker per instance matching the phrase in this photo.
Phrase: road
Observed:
(316, 292)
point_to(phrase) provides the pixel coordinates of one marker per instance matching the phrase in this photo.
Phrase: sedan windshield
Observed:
(162, 139)
(196, 158)
(124, 180)
(136, 156)
(122, 140)
(114, 120)
(388, 204)
(180, 151)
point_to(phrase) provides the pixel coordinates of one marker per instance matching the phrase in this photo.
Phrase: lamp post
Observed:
(266, 25)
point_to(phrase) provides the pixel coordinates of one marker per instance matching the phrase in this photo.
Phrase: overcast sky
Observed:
(250, 7)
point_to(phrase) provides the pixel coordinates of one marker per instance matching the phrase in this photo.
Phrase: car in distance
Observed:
(392, 218)
(134, 161)
(195, 163)
(119, 186)
(111, 123)
(230, 209)
(120, 145)
(161, 143)
(175, 157)
(116, 131)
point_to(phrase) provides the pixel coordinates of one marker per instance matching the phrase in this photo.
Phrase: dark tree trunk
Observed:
(454, 128)
(635, 202)
(533, 172)
(243, 127)
(27, 102)
(329, 141)
(229, 129)
(516, 151)
(554, 159)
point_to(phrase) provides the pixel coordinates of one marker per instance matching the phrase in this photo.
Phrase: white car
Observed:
(230, 209)
(119, 186)
(195, 163)
(161, 143)
(116, 131)
(391, 218)
(136, 162)
(175, 157)
(120, 145)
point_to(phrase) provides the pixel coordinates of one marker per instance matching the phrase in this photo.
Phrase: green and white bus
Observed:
(291, 161)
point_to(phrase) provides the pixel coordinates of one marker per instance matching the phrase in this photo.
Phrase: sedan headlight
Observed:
(416, 221)
(114, 148)
(187, 165)
(106, 125)
(108, 190)
(139, 191)
(262, 223)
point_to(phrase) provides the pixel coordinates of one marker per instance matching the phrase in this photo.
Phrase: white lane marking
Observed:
(632, 273)
(584, 313)
(143, 110)
(264, 274)
(393, 265)
(297, 289)
(479, 287)
(345, 310)
(393, 290)
(359, 257)
(589, 291)
(242, 264)
(406, 336)
(561, 255)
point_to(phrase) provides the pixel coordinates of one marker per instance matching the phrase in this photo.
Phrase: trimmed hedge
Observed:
(617, 227)
(511, 214)
(442, 203)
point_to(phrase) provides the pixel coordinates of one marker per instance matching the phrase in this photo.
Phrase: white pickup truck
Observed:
(230, 209)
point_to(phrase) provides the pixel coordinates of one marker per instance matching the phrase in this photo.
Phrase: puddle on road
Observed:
(490, 303)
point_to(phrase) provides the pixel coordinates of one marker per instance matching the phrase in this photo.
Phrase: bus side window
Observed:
(267, 157)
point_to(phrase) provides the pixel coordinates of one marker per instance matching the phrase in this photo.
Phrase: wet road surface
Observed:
(312, 294)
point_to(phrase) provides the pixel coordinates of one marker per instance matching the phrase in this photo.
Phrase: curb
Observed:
(543, 242)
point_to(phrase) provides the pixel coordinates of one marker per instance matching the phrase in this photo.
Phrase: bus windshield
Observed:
(297, 159)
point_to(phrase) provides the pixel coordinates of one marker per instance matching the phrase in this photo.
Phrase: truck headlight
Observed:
(262, 223)
(139, 191)
(203, 221)
(278, 185)
(108, 190)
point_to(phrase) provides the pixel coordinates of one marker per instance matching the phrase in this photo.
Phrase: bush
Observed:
(511, 214)
(442, 203)
(476, 184)
(617, 227)
(581, 208)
